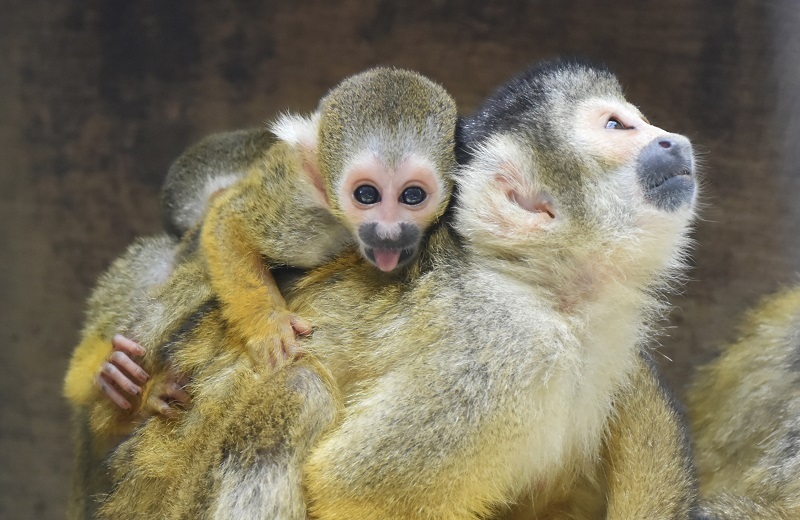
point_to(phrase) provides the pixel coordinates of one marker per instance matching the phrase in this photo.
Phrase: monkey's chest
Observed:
(551, 383)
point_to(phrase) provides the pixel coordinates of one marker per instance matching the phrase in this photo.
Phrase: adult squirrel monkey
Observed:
(506, 376)
(744, 411)
(370, 168)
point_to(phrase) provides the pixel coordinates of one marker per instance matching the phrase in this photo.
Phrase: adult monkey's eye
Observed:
(366, 194)
(615, 124)
(413, 196)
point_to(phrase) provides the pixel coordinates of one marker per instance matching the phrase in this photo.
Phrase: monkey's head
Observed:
(564, 176)
(385, 158)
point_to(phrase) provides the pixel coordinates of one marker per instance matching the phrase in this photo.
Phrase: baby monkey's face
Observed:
(390, 205)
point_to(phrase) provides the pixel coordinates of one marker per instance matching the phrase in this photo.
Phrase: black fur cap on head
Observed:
(521, 104)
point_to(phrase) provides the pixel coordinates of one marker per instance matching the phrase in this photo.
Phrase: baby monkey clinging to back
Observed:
(370, 167)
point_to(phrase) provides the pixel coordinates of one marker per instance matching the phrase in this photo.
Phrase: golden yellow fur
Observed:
(502, 376)
(745, 417)
(275, 211)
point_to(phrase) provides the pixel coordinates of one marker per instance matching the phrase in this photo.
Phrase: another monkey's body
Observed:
(130, 297)
(745, 417)
(146, 293)
(137, 297)
(215, 163)
(508, 379)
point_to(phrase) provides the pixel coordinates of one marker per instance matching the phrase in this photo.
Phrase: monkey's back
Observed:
(508, 398)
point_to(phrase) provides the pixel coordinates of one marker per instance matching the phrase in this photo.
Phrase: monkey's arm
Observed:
(251, 302)
(647, 461)
(100, 381)
(111, 370)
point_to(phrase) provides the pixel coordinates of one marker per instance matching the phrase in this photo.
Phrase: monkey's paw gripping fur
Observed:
(275, 340)
(165, 397)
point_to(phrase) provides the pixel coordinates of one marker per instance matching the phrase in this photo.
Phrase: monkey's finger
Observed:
(288, 349)
(301, 326)
(175, 392)
(107, 388)
(121, 360)
(163, 408)
(121, 380)
(120, 342)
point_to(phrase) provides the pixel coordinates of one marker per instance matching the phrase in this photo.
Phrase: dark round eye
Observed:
(413, 196)
(615, 124)
(366, 194)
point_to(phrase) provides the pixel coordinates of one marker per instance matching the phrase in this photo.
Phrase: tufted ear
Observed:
(301, 132)
(297, 130)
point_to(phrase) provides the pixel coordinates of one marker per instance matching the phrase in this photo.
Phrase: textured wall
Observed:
(96, 99)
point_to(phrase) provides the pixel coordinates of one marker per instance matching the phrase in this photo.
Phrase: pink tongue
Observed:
(386, 259)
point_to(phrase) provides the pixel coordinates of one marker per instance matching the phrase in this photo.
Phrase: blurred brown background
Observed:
(97, 98)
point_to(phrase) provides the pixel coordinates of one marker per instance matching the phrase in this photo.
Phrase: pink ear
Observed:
(520, 192)
(534, 203)
(311, 170)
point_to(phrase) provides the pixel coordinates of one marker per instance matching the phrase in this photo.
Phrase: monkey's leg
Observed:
(98, 425)
(647, 462)
(252, 303)
(261, 473)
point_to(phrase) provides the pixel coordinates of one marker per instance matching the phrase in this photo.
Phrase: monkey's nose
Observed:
(665, 172)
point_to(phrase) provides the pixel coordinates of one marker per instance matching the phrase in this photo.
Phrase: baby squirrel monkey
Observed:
(507, 378)
(371, 167)
(744, 409)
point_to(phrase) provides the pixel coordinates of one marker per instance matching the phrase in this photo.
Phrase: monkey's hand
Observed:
(118, 372)
(275, 340)
(166, 397)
